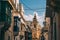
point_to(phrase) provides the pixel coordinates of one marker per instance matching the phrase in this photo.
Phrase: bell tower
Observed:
(35, 20)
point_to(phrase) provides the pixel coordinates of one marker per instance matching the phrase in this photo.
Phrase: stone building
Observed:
(53, 12)
(46, 27)
(36, 29)
(11, 17)
(5, 17)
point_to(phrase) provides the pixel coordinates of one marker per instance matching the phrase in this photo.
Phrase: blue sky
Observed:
(30, 6)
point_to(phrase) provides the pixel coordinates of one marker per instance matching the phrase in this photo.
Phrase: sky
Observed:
(32, 6)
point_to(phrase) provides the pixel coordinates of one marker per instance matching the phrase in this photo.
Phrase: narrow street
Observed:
(29, 19)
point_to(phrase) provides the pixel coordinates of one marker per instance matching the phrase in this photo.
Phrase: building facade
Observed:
(46, 27)
(10, 15)
(53, 11)
(36, 29)
(5, 17)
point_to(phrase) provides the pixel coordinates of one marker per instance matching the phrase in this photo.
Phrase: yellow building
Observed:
(16, 11)
(36, 29)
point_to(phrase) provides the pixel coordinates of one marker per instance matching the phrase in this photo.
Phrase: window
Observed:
(15, 20)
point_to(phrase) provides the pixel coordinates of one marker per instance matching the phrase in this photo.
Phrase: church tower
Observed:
(36, 28)
(35, 20)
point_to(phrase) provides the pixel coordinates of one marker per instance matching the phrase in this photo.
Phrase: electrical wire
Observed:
(31, 8)
(26, 5)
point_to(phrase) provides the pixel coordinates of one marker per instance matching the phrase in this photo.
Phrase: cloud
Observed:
(28, 17)
(40, 19)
